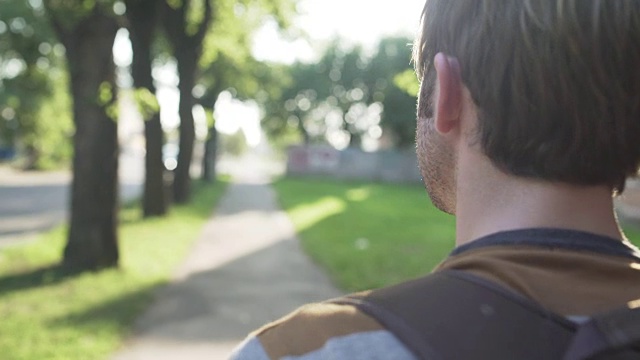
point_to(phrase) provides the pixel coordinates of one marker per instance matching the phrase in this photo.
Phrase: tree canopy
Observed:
(349, 96)
(34, 106)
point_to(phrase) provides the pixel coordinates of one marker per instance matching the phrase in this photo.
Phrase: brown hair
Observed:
(556, 83)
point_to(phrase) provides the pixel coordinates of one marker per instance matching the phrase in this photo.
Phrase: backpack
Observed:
(456, 315)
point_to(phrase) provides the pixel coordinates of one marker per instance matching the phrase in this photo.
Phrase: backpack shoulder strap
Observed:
(454, 315)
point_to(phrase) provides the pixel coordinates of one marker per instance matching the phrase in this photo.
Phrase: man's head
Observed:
(555, 86)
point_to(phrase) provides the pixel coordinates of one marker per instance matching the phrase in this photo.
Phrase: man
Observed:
(528, 124)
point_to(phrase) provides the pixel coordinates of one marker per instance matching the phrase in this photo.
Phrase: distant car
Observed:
(170, 156)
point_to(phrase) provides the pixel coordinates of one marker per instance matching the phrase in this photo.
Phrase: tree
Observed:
(143, 16)
(186, 35)
(391, 61)
(228, 25)
(285, 110)
(225, 57)
(324, 98)
(228, 64)
(87, 30)
(346, 94)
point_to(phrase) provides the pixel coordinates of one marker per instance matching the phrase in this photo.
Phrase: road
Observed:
(32, 202)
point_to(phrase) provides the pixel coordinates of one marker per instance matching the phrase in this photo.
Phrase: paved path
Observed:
(246, 269)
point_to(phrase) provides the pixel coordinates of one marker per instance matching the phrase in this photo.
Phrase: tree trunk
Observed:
(187, 48)
(306, 138)
(187, 66)
(210, 156)
(142, 15)
(355, 141)
(92, 241)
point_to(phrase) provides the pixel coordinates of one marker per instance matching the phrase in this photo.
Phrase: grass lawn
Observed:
(370, 235)
(367, 235)
(47, 314)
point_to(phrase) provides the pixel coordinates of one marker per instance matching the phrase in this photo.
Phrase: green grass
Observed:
(367, 235)
(371, 235)
(46, 313)
(632, 231)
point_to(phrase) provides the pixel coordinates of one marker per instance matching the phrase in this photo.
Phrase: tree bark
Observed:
(306, 138)
(355, 141)
(92, 240)
(187, 66)
(187, 48)
(142, 16)
(210, 159)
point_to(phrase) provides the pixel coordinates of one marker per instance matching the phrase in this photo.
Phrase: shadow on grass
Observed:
(130, 214)
(223, 303)
(121, 311)
(40, 277)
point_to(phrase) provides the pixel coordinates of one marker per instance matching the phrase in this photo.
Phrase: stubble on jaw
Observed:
(436, 158)
(437, 163)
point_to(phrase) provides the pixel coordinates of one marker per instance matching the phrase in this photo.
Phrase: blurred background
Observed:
(196, 85)
(175, 173)
(157, 159)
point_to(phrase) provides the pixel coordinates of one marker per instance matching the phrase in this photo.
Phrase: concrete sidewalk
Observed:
(246, 269)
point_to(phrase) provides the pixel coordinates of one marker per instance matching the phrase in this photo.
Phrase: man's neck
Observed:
(499, 202)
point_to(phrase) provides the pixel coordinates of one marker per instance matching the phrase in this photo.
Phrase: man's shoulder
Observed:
(311, 327)
(316, 330)
(324, 318)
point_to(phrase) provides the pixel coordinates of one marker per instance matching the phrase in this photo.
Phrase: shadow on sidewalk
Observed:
(226, 303)
(247, 269)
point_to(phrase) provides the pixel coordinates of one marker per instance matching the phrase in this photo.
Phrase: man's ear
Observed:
(448, 106)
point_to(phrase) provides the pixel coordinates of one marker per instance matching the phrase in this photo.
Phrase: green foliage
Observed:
(147, 103)
(348, 94)
(227, 61)
(234, 144)
(105, 94)
(367, 235)
(106, 97)
(52, 138)
(393, 58)
(229, 35)
(33, 101)
(408, 82)
(48, 313)
(69, 12)
(287, 136)
(175, 4)
(211, 120)
(195, 15)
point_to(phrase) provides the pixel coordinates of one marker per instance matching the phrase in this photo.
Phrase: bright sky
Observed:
(357, 21)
